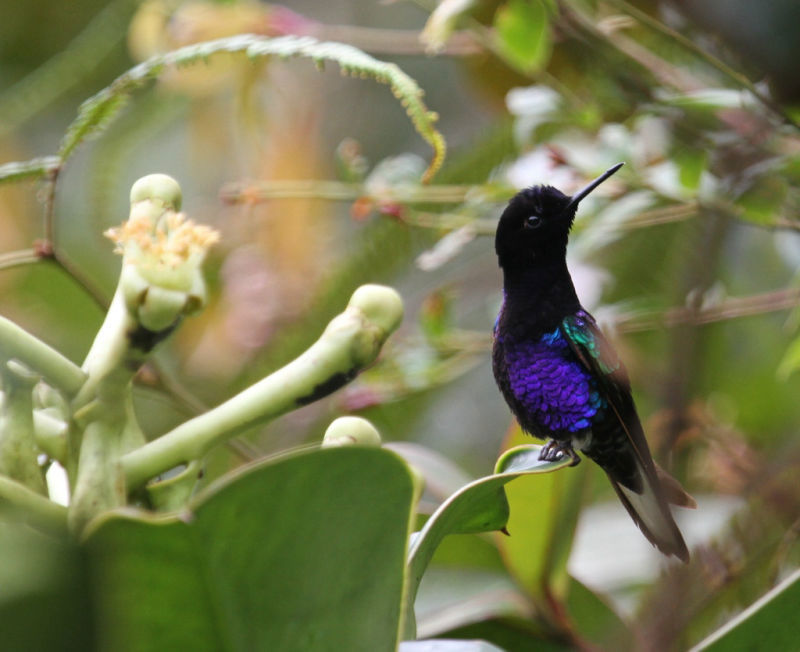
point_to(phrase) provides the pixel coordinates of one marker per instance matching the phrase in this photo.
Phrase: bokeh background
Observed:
(688, 257)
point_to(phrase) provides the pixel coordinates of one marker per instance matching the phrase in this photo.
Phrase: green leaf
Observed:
(691, 165)
(791, 360)
(480, 506)
(45, 598)
(595, 620)
(762, 202)
(544, 514)
(280, 556)
(442, 22)
(514, 634)
(444, 645)
(100, 109)
(450, 598)
(709, 99)
(33, 169)
(768, 624)
(523, 34)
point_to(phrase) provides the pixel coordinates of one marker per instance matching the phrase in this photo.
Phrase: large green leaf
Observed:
(44, 592)
(304, 552)
(768, 624)
(595, 620)
(480, 506)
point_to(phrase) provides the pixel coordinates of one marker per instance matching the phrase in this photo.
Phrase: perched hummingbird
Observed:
(558, 373)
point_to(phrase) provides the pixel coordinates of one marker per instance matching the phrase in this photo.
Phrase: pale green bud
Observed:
(349, 431)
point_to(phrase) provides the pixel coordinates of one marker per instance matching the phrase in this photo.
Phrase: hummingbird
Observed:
(558, 373)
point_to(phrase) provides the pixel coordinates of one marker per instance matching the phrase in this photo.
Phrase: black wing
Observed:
(618, 444)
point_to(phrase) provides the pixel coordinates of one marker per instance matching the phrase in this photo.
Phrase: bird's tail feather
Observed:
(672, 491)
(650, 512)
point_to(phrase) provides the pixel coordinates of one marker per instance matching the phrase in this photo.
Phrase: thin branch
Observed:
(48, 215)
(709, 58)
(19, 258)
(59, 371)
(639, 321)
(664, 215)
(396, 41)
(32, 169)
(261, 191)
(91, 288)
(662, 70)
(732, 308)
(783, 223)
(87, 52)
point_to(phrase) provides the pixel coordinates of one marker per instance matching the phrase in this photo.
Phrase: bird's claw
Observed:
(554, 450)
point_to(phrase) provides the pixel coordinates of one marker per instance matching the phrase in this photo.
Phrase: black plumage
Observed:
(558, 373)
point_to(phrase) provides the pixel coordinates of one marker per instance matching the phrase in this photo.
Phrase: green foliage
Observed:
(99, 110)
(542, 524)
(33, 169)
(245, 578)
(523, 34)
(767, 624)
(481, 506)
(690, 252)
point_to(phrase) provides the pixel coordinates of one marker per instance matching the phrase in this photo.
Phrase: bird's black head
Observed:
(535, 225)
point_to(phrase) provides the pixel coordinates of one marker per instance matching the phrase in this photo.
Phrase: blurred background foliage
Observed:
(689, 257)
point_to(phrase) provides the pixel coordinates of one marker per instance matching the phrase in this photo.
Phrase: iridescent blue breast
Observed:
(557, 393)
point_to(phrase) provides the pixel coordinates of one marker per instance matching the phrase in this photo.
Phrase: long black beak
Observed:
(576, 198)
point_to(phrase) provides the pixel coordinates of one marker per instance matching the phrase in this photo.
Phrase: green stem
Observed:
(100, 484)
(57, 370)
(17, 441)
(351, 341)
(341, 191)
(110, 363)
(31, 507)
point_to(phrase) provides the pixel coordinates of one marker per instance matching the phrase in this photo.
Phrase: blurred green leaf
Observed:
(442, 476)
(278, 556)
(596, 620)
(691, 165)
(523, 34)
(444, 645)
(442, 22)
(762, 202)
(768, 624)
(710, 99)
(481, 506)
(456, 597)
(791, 360)
(44, 592)
(544, 514)
(513, 635)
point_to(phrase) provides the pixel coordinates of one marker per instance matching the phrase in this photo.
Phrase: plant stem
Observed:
(99, 483)
(57, 370)
(33, 508)
(396, 41)
(351, 341)
(257, 192)
(17, 441)
(18, 258)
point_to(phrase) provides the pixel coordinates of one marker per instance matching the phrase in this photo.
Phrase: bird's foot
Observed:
(554, 450)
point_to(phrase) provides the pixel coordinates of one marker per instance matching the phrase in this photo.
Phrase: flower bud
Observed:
(349, 431)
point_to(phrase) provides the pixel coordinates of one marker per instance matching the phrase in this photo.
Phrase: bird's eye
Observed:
(533, 221)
